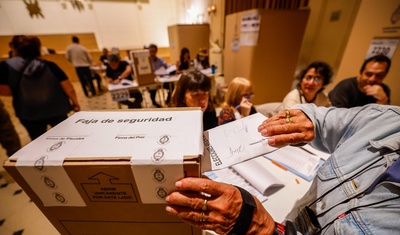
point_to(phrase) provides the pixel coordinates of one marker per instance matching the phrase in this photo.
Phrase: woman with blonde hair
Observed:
(237, 101)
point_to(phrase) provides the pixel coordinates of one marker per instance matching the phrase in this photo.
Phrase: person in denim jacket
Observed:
(356, 191)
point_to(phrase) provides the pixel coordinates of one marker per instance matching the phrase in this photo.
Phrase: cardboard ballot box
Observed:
(109, 172)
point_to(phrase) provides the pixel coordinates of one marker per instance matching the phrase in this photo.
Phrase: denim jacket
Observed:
(363, 142)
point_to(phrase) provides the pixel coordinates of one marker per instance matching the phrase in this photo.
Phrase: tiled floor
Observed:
(18, 215)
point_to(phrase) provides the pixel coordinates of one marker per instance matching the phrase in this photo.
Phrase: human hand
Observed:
(222, 207)
(283, 131)
(245, 107)
(117, 81)
(377, 92)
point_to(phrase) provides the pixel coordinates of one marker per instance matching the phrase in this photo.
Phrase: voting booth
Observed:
(263, 46)
(142, 68)
(109, 172)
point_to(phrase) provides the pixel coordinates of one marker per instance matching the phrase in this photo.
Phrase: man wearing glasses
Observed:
(366, 88)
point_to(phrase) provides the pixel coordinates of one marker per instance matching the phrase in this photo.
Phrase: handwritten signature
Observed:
(236, 129)
(237, 150)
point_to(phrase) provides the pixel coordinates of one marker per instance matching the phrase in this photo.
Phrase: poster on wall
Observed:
(384, 46)
(249, 29)
(235, 45)
(143, 62)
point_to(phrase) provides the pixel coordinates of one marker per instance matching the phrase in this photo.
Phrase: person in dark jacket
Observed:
(42, 93)
(366, 88)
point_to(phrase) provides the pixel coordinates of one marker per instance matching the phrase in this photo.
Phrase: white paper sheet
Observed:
(257, 176)
(124, 84)
(297, 160)
(230, 176)
(316, 152)
(163, 71)
(235, 142)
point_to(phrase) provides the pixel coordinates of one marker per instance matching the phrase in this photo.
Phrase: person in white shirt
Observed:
(202, 61)
(310, 88)
(79, 56)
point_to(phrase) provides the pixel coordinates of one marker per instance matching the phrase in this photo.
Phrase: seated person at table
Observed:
(157, 62)
(366, 88)
(237, 101)
(103, 57)
(310, 87)
(202, 61)
(192, 90)
(184, 61)
(356, 191)
(118, 70)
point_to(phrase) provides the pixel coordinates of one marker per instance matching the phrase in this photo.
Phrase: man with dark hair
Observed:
(157, 62)
(118, 70)
(42, 94)
(366, 88)
(81, 59)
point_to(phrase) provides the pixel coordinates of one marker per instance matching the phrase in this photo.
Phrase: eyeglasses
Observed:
(317, 80)
(248, 96)
(199, 95)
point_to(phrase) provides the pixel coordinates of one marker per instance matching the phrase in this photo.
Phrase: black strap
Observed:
(246, 214)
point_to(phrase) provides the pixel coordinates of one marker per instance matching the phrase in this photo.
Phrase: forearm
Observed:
(70, 91)
(124, 75)
(127, 73)
(262, 223)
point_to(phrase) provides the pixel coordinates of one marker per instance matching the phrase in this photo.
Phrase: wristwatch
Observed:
(246, 214)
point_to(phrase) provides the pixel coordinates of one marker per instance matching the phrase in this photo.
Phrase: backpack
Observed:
(37, 92)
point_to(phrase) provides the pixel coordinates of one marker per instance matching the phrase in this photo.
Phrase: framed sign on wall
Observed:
(384, 46)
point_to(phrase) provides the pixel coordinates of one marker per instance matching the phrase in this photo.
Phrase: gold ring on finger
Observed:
(203, 217)
(287, 112)
(288, 119)
(204, 206)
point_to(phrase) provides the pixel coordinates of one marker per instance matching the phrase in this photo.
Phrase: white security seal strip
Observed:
(158, 165)
(40, 164)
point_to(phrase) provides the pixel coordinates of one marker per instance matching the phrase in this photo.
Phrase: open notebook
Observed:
(250, 176)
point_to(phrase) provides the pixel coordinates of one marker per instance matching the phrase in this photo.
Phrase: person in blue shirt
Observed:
(157, 62)
(356, 191)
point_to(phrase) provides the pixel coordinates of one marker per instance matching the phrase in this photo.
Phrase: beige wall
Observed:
(325, 39)
(372, 17)
(191, 36)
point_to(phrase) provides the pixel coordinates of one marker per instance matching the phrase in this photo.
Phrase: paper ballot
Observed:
(234, 142)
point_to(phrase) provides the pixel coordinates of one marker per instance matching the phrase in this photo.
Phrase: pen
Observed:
(279, 165)
(238, 106)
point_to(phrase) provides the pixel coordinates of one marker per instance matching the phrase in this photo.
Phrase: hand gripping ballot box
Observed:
(109, 172)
